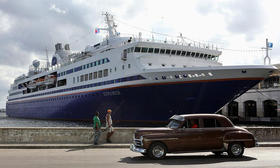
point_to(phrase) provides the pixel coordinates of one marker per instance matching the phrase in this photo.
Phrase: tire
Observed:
(157, 151)
(235, 149)
(217, 153)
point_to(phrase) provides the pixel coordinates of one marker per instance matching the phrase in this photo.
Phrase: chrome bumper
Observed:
(137, 149)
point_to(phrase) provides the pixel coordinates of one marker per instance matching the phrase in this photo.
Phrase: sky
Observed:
(237, 27)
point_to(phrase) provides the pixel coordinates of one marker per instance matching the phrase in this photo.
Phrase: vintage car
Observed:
(193, 133)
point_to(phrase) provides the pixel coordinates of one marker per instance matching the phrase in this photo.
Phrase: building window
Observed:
(173, 52)
(90, 76)
(115, 69)
(150, 64)
(270, 108)
(250, 108)
(73, 80)
(128, 66)
(105, 72)
(78, 79)
(100, 74)
(162, 51)
(86, 77)
(122, 66)
(233, 109)
(94, 75)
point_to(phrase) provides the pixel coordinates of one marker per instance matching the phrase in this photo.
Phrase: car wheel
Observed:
(157, 151)
(217, 153)
(235, 149)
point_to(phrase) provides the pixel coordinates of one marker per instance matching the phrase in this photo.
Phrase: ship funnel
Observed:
(58, 46)
(67, 47)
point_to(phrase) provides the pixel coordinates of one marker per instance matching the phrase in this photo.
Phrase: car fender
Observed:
(239, 136)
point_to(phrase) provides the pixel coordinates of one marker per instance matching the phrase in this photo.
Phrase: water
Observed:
(6, 121)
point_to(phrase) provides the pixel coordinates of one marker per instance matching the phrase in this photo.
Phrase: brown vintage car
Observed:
(193, 133)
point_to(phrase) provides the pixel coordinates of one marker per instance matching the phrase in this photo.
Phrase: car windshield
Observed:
(173, 124)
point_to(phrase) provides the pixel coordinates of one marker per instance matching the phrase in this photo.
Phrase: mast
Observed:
(111, 26)
(266, 51)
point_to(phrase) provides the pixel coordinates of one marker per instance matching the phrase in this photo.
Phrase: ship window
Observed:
(197, 54)
(173, 52)
(144, 49)
(86, 77)
(105, 72)
(137, 49)
(94, 75)
(193, 54)
(167, 51)
(156, 50)
(188, 53)
(178, 52)
(82, 78)
(90, 76)
(162, 51)
(99, 74)
(128, 66)
(183, 53)
(151, 50)
(61, 82)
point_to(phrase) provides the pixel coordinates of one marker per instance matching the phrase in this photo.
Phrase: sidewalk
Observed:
(89, 146)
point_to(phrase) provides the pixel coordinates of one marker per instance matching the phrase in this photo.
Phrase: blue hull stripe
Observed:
(138, 103)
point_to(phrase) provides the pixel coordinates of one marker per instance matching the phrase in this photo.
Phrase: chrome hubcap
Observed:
(158, 151)
(236, 149)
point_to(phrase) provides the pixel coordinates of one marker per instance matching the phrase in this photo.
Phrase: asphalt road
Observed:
(114, 158)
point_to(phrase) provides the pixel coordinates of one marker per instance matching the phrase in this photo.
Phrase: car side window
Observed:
(211, 123)
(193, 123)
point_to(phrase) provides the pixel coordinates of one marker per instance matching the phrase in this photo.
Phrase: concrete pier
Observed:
(84, 135)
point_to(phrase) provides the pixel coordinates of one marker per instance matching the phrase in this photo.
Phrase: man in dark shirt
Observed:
(96, 127)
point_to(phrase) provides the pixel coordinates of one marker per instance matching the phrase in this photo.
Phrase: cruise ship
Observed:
(141, 80)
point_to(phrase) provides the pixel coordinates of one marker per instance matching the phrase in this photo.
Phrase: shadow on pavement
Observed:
(80, 148)
(185, 160)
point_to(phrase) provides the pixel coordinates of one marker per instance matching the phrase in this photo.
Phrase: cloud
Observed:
(241, 17)
(56, 9)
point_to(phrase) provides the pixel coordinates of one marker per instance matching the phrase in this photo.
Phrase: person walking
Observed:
(109, 126)
(96, 127)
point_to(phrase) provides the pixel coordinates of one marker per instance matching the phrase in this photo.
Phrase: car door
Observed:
(189, 139)
(212, 134)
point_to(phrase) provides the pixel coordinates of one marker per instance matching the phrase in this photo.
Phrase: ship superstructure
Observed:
(142, 80)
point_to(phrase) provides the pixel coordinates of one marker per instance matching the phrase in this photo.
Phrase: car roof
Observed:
(202, 115)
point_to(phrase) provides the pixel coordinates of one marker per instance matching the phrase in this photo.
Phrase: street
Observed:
(111, 158)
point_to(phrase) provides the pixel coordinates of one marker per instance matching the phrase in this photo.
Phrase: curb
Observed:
(91, 146)
(62, 146)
